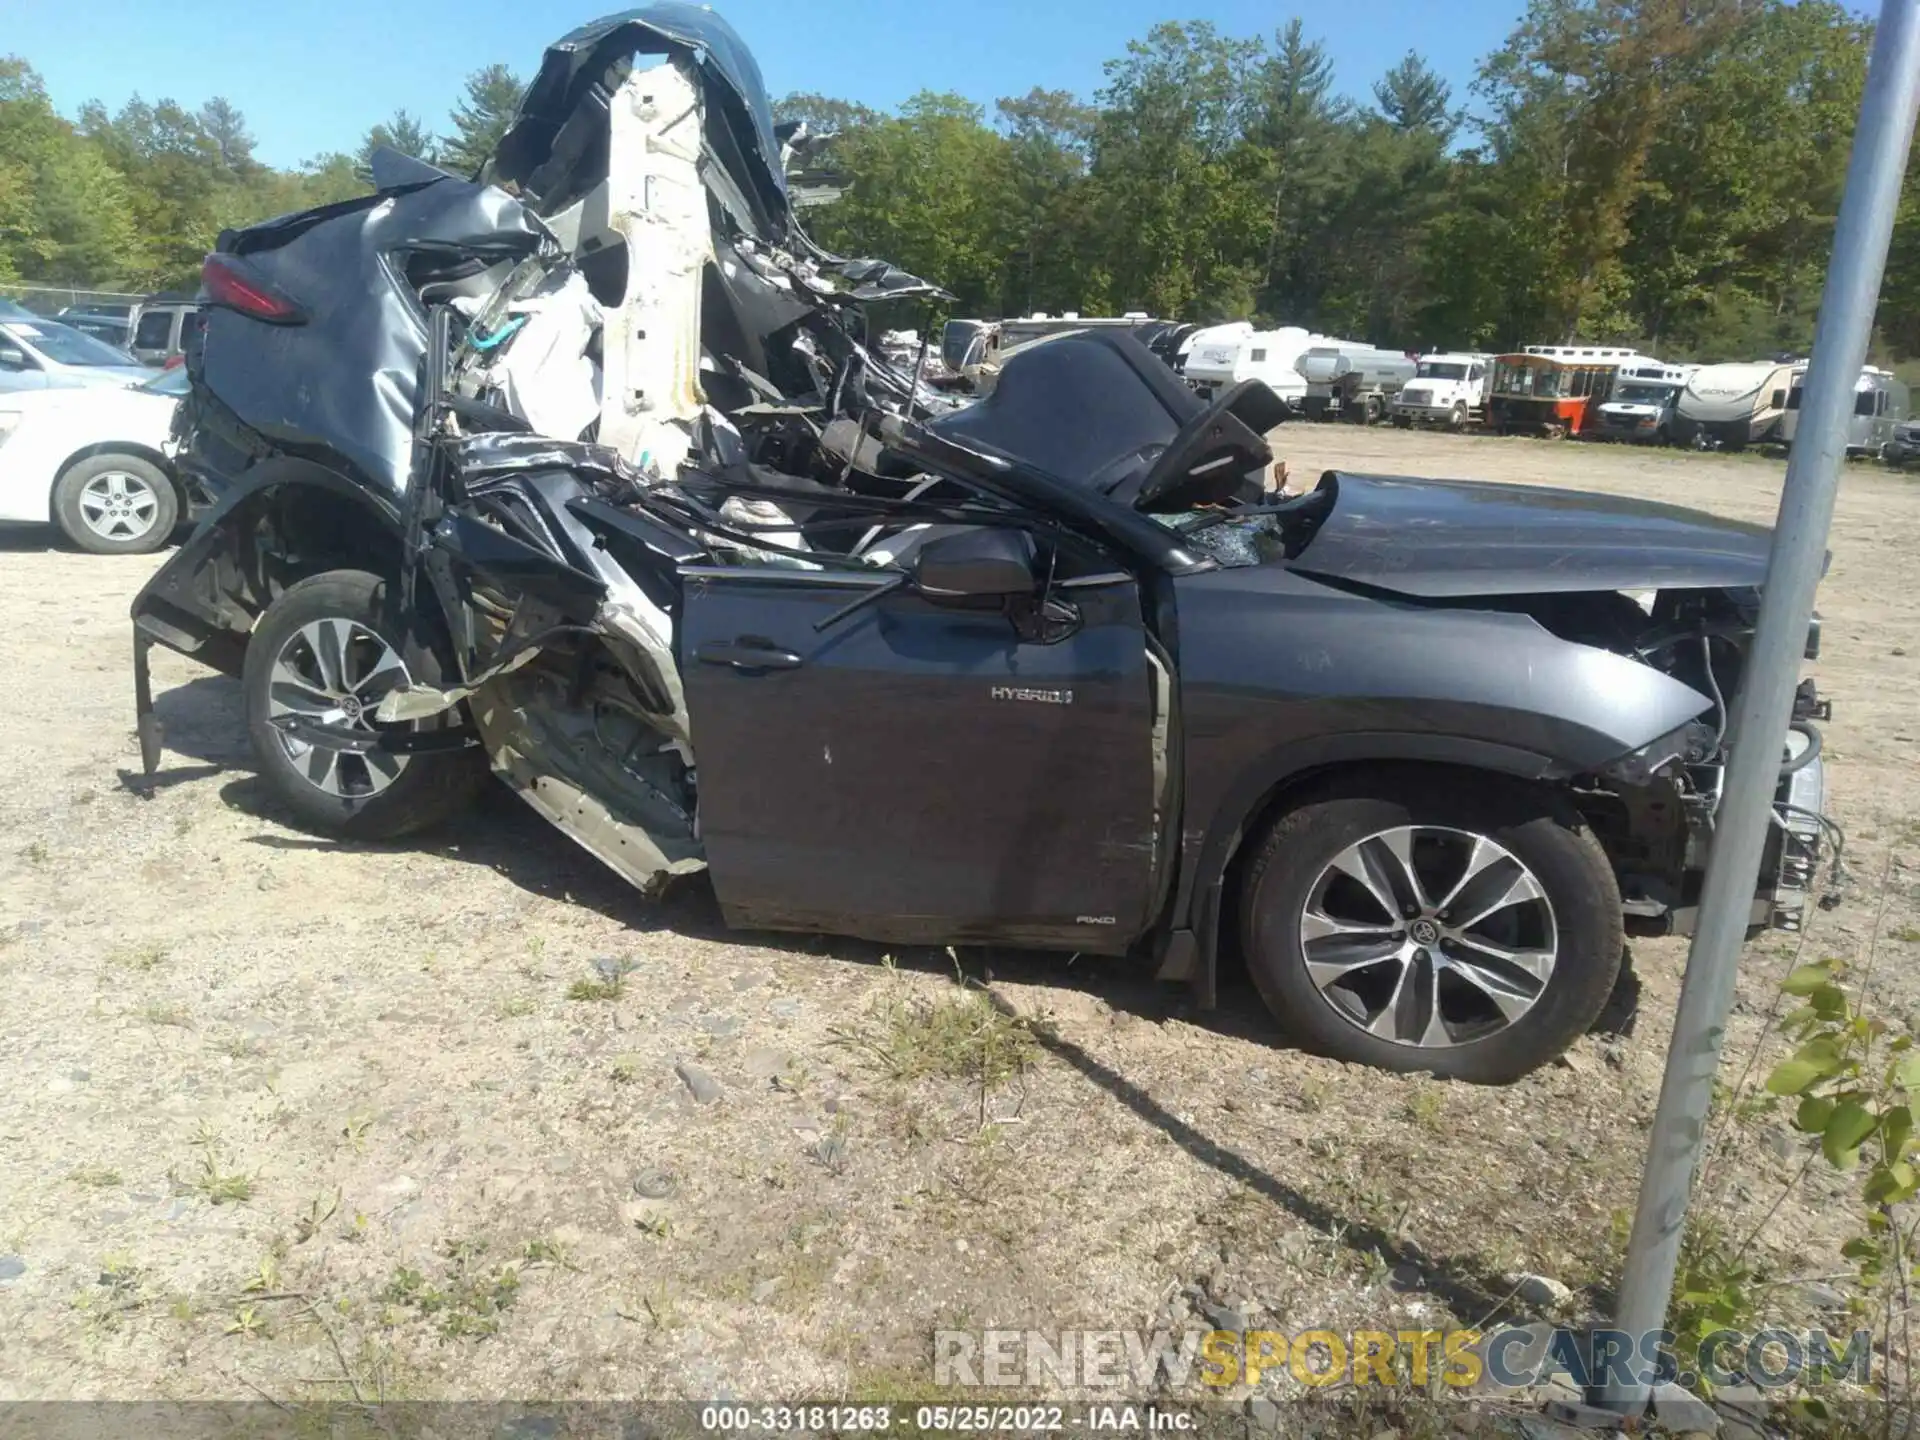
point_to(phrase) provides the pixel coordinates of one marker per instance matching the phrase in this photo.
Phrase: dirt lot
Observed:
(283, 1115)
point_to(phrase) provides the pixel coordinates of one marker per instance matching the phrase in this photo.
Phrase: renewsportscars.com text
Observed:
(1135, 1361)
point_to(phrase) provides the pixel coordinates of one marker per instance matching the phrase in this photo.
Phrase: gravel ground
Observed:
(465, 1117)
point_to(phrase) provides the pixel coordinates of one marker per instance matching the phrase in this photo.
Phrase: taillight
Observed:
(232, 284)
(173, 361)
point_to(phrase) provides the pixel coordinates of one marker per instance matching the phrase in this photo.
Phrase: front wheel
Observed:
(327, 651)
(1420, 921)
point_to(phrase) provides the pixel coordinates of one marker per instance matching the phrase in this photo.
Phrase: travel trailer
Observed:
(1643, 403)
(1554, 390)
(1446, 389)
(1730, 407)
(1212, 347)
(1267, 355)
(1351, 382)
(1880, 403)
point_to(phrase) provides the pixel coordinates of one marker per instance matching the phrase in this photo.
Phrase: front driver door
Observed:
(918, 773)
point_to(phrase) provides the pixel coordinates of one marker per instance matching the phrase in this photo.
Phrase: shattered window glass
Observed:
(1252, 540)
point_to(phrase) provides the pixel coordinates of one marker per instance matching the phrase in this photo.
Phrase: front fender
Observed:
(1282, 677)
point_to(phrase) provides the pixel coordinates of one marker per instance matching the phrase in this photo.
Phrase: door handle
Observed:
(747, 655)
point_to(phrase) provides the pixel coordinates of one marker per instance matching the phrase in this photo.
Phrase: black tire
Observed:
(1537, 833)
(365, 803)
(1403, 422)
(116, 505)
(1458, 419)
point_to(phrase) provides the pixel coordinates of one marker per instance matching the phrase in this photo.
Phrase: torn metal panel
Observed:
(536, 154)
(416, 701)
(642, 637)
(620, 807)
(483, 457)
(359, 355)
(658, 207)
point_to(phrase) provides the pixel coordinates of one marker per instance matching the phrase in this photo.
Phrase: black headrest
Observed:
(1091, 407)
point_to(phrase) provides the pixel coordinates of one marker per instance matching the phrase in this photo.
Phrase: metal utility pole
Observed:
(1765, 701)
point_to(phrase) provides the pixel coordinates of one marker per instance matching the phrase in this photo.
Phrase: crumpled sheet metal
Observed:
(361, 351)
(499, 452)
(641, 839)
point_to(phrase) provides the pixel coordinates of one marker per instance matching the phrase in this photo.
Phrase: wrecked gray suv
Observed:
(582, 472)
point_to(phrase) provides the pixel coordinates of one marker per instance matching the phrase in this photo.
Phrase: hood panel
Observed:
(1450, 539)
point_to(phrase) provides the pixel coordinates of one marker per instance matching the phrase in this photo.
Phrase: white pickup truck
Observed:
(1446, 389)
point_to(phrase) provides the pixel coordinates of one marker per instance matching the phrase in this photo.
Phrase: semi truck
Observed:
(1448, 389)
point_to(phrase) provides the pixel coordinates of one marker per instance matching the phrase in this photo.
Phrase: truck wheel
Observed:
(1458, 419)
(1403, 422)
(116, 505)
(1431, 921)
(327, 650)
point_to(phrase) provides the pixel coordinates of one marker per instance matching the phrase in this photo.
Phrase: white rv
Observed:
(1733, 406)
(1213, 346)
(1880, 403)
(1267, 355)
(1353, 382)
(1446, 389)
(1642, 404)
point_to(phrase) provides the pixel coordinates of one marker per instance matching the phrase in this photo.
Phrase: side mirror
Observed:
(12, 357)
(981, 563)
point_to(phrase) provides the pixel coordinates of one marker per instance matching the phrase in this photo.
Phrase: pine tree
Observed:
(479, 120)
(1411, 96)
(401, 131)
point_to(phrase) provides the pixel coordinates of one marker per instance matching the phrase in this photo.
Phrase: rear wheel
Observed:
(327, 651)
(116, 505)
(1429, 922)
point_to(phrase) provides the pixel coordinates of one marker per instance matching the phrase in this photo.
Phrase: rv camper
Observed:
(1351, 382)
(1554, 390)
(1267, 355)
(1212, 348)
(1446, 389)
(1880, 403)
(1730, 407)
(1642, 406)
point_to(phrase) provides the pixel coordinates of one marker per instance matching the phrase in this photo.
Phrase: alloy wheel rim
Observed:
(1428, 936)
(118, 505)
(334, 672)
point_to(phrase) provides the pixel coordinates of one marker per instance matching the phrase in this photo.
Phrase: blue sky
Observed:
(312, 77)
